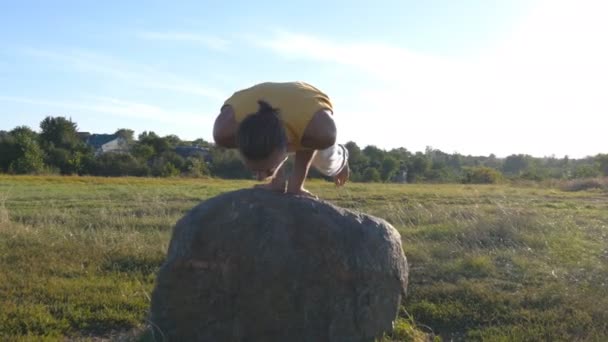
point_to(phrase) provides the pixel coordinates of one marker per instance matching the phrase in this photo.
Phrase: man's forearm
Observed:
(302, 162)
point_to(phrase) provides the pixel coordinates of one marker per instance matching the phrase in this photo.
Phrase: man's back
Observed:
(297, 103)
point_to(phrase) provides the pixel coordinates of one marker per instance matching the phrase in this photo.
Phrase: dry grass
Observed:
(78, 256)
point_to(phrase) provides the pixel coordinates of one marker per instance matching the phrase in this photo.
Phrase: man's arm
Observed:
(318, 135)
(302, 162)
(224, 128)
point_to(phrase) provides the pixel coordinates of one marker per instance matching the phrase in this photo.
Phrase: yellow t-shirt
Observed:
(297, 102)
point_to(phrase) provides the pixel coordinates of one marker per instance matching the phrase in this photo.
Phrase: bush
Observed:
(68, 161)
(169, 170)
(585, 184)
(585, 171)
(168, 164)
(30, 160)
(118, 164)
(535, 174)
(481, 175)
(20, 152)
(196, 167)
(226, 163)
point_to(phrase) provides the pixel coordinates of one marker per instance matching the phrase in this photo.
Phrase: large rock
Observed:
(252, 265)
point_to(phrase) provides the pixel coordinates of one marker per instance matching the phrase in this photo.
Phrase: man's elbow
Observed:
(224, 140)
(327, 140)
(224, 131)
(320, 141)
(327, 135)
(217, 136)
(320, 137)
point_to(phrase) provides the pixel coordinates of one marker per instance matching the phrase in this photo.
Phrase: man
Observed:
(271, 120)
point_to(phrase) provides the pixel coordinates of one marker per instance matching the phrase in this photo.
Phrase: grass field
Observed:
(78, 256)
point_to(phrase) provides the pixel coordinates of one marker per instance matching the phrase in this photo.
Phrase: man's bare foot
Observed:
(277, 184)
(342, 177)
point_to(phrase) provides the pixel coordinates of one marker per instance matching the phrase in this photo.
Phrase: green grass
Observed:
(79, 255)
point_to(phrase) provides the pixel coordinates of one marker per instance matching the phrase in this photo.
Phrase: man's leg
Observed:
(332, 162)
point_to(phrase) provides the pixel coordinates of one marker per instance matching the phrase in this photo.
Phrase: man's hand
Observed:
(300, 191)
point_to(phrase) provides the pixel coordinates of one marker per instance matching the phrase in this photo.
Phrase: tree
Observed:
(201, 143)
(173, 140)
(371, 175)
(59, 132)
(60, 160)
(126, 134)
(401, 154)
(353, 149)
(535, 173)
(419, 165)
(357, 161)
(389, 167)
(63, 148)
(8, 151)
(516, 164)
(602, 161)
(492, 162)
(60, 147)
(25, 132)
(375, 155)
(159, 144)
(24, 154)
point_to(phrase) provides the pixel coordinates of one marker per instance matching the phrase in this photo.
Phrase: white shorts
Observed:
(331, 160)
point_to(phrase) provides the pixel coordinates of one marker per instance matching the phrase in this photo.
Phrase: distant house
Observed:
(104, 143)
(193, 151)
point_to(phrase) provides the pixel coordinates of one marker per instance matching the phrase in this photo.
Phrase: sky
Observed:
(471, 77)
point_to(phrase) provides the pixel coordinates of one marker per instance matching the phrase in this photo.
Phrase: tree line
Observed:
(60, 149)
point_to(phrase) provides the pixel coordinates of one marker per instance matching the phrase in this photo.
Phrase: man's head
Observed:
(262, 141)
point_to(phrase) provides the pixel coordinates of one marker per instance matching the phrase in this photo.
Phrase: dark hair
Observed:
(261, 133)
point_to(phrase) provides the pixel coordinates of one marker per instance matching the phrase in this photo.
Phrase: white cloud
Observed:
(381, 61)
(136, 74)
(211, 42)
(145, 111)
(117, 107)
(542, 91)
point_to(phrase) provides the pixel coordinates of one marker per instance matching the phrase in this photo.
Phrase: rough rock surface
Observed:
(251, 265)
